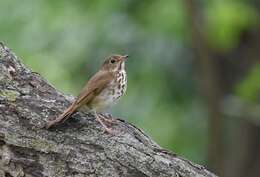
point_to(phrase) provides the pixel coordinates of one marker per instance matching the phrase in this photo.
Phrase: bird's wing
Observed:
(94, 86)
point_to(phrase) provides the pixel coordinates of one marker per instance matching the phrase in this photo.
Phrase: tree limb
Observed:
(79, 147)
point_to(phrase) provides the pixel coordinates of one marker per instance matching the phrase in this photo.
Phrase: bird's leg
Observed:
(108, 118)
(99, 119)
(107, 115)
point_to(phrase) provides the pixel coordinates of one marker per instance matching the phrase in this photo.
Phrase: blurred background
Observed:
(194, 71)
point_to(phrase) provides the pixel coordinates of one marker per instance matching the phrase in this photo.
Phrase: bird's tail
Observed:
(64, 116)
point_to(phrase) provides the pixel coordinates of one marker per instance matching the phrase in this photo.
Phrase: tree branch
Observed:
(79, 147)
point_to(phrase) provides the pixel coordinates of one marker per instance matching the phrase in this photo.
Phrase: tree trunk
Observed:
(79, 147)
(210, 87)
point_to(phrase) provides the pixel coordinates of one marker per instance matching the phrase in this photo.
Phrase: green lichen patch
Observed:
(32, 142)
(9, 95)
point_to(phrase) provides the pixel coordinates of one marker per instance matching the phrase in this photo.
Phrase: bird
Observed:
(101, 91)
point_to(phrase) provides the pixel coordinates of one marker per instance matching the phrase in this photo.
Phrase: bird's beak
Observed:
(124, 57)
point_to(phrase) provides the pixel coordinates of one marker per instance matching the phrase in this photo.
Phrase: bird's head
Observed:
(114, 63)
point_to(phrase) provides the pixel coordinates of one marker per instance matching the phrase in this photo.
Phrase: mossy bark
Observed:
(79, 147)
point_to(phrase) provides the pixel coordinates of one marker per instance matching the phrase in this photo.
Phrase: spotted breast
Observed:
(121, 82)
(111, 94)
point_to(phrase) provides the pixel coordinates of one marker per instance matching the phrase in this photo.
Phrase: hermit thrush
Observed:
(101, 91)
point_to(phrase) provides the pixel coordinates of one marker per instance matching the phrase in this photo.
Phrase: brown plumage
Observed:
(102, 90)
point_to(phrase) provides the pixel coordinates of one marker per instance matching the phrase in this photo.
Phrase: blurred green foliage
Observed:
(226, 19)
(248, 89)
(66, 41)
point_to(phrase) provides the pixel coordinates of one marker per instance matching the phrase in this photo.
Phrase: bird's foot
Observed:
(102, 121)
(110, 131)
(108, 119)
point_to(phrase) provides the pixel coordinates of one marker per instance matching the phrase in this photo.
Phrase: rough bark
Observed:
(79, 147)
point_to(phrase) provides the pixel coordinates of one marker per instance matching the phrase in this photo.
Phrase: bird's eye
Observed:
(112, 61)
